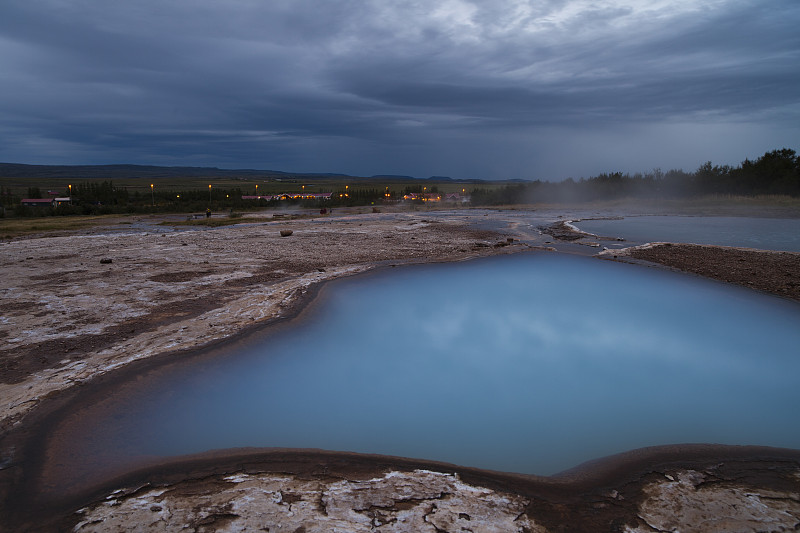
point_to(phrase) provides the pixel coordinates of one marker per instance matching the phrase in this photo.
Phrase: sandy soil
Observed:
(77, 307)
(764, 270)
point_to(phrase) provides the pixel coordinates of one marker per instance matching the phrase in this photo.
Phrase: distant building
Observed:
(38, 202)
(427, 197)
(292, 196)
(63, 201)
(456, 198)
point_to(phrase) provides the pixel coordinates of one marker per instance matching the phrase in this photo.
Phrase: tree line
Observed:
(102, 198)
(776, 172)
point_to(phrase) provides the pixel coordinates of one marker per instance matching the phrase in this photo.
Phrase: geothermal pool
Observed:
(762, 233)
(530, 363)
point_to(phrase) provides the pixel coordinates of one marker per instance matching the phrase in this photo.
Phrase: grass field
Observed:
(18, 227)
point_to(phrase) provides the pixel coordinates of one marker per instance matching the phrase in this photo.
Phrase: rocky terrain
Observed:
(690, 489)
(764, 270)
(423, 500)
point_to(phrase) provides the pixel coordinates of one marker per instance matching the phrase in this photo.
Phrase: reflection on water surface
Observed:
(530, 363)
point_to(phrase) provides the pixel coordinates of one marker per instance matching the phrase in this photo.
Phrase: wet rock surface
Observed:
(694, 501)
(564, 231)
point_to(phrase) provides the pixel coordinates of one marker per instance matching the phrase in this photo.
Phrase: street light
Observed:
(153, 194)
(209, 194)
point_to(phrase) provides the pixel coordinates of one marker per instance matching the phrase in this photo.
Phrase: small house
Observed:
(38, 202)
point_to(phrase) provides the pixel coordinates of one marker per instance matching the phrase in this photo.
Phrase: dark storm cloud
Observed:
(469, 88)
(689, 66)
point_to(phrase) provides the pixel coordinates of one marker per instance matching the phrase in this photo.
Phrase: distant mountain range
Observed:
(16, 170)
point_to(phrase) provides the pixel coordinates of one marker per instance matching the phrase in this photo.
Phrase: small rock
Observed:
(106, 260)
(286, 232)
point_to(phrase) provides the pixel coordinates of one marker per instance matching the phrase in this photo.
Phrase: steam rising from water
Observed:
(761, 233)
(528, 363)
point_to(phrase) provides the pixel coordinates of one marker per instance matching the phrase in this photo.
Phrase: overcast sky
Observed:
(539, 89)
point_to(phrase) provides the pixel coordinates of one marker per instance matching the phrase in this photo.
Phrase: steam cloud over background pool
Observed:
(762, 233)
(530, 363)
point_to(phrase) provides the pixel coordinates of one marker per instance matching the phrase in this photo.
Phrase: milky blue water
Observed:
(762, 233)
(528, 363)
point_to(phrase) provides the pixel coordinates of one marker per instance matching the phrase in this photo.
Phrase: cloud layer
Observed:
(480, 88)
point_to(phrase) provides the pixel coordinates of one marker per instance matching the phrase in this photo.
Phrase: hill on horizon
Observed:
(130, 171)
